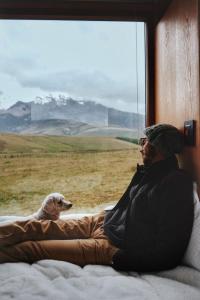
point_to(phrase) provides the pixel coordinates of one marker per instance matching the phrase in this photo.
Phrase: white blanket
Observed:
(51, 279)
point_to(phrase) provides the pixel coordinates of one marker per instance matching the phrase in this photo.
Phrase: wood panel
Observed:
(177, 73)
(138, 10)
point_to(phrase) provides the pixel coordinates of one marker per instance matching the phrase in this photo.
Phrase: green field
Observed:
(90, 171)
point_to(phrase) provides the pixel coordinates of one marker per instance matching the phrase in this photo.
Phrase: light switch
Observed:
(189, 132)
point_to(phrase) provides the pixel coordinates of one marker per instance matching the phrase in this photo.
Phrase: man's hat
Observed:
(166, 138)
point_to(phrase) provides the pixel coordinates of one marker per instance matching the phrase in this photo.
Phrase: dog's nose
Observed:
(67, 204)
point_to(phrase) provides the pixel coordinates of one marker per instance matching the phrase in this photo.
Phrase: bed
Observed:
(51, 279)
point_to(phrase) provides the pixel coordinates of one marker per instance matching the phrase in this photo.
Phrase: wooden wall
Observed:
(177, 74)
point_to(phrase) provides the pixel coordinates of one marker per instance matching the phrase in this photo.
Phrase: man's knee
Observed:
(21, 252)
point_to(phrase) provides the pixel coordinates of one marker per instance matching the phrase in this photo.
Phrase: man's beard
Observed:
(148, 159)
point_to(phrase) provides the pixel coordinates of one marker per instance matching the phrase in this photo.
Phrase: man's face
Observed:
(148, 152)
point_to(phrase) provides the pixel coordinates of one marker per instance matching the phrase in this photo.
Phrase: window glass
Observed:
(72, 106)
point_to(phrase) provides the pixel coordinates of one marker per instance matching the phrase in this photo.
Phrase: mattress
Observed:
(51, 279)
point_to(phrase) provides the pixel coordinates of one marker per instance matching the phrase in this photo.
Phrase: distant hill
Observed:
(20, 109)
(11, 123)
(88, 112)
(70, 127)
(10, 143)
(69, 117)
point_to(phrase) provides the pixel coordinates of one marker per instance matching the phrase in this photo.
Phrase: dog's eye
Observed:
(59, 201)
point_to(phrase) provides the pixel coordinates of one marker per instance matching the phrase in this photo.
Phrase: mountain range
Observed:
(69, 117)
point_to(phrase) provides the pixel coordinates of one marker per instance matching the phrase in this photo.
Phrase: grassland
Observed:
(90, 171)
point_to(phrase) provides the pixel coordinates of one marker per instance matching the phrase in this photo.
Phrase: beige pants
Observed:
(77, 241)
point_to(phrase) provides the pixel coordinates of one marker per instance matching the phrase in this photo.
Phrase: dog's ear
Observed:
(48, 202)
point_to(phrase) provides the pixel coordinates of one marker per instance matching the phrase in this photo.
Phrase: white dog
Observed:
(52, 206)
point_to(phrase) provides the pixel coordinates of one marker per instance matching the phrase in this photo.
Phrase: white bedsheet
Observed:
(51, 279)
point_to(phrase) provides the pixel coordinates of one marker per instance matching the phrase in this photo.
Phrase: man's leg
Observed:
(19, 231)
(80, 251)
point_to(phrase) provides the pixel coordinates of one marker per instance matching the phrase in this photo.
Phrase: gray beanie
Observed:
(165, 138)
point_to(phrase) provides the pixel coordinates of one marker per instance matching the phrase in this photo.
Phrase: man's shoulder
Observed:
(178, 177)
(180, 173)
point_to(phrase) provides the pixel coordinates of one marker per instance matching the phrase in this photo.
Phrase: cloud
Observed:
(15, 67)
(92, 85)
(95, 85)
(77, 83)
(1, 93)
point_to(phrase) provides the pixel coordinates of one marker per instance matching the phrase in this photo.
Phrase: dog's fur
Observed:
(52, 206)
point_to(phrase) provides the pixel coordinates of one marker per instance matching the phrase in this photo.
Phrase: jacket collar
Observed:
(160, 167)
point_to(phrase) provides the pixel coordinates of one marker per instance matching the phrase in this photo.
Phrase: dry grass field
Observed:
(92, 176)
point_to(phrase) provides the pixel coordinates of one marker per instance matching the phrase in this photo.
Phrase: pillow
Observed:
(192, 254)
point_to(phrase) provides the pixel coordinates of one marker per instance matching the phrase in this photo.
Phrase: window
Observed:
(72, 106)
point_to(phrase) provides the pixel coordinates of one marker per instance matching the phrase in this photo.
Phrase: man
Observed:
(148, 229)
(152, 222)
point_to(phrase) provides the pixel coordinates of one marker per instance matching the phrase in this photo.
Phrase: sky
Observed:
(86, 60)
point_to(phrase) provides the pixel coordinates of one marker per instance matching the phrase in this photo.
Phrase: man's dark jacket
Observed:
(158, 219)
